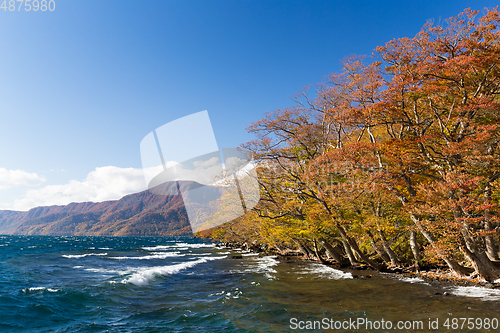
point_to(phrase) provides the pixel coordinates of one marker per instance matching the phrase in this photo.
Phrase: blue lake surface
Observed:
(182, 284)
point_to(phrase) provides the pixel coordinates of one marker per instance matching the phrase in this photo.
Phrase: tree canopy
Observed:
(392, 161)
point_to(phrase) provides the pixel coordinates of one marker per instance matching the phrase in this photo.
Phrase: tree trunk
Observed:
(331, 252)
(304, 249)
(323, 261)
(414, 248)
(489, 241)
(352, 244)
(456, 268)
(348, 251)
(483, 266)
(491, 249)
(394, 258)
(380, 251)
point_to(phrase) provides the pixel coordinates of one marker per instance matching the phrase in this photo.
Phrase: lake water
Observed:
(167, 284)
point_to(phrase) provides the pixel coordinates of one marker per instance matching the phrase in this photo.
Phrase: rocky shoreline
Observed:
(433, 276)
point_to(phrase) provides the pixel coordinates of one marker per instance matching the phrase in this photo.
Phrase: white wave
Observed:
(111, 271)
(478, 292)
(225, 252)
(216, 258)
(249, 254)
(160, 255)
(406, 279)
(77, 266)
(104, 248)
(326, 272)
(412, 279)
(217, 294)
(264, 264)
(261, 265)
(158, 248)
(39, 289)
(144, 275)
(178, 245)
(197, 246)
(76, 256)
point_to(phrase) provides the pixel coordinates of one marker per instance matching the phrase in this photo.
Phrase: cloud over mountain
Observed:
(18, 178)
(101, 184)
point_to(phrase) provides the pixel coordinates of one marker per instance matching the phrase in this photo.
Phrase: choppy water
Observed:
(162, 284)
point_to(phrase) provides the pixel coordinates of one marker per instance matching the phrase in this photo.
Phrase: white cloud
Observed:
(17, 178)
(104, 183)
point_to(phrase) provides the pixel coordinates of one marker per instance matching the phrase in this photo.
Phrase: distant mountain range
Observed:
(140, 214)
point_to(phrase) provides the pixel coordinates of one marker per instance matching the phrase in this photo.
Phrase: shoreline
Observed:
(435, 277)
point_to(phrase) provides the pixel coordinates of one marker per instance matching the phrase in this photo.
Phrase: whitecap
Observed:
(197, 246)
(183, 246)
(76, 256)
(111, 271)
(263, 266)
(406, 279)
(412, 279)
(143, 275)
(327, 272)
(33, 289)
(158, 248)
(159, 255)
(478, 292)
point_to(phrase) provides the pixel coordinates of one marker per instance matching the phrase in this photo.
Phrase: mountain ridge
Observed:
(140, 214)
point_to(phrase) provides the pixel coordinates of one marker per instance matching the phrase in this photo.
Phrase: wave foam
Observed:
(178, 245)
(478, 292)
(33, 289)
(158, 248)
(263, 265)
(110, 271)
(406, 279)
(412, 279)
(159, 255)
(327, 272)
(144, 275)
(76, 256)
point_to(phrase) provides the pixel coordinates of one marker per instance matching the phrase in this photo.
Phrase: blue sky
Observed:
(82, 85)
